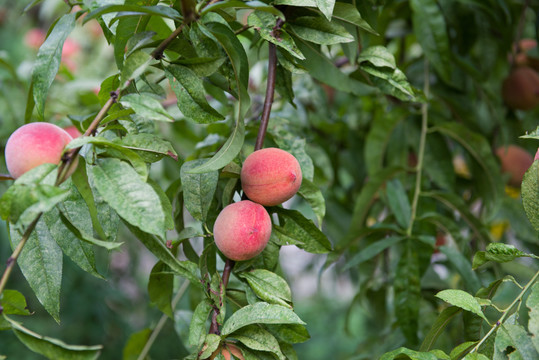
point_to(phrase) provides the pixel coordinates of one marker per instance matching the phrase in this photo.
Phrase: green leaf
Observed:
(189, 90)
(136, 161)
(197, 327)
(379, 56)
(516, 338)
(289, 333)
(438, 327)
(13, 303)
(372, 250)
(261, 313)
(313, 195)
(475, 356)
(349, 14)
(134, 10)
(236, 53)
(268, 286)
(48, 60)
(323, 69)
(41, 264)
(136, 344)
(499, 253)
(411, 354)
(430, 30)
(408, 291)
(530, 194)
(134, 66)
(185, 269)
(366, 197)
(264, 24)
(211, 343)
(456, 203)
(398, 202)
(80, 252)
(532, 303)
(378, 139)
(326, 7)
(319, 30)
(480, 150)
(463, 266)
(256, 5)
(462, 300)
(133, 199)
(256, 338)
(53, 349)
(302, 231)
(198, 189)
(160, 288)
(80, 180)
(23, 202)
(146, 106)
(149, 147)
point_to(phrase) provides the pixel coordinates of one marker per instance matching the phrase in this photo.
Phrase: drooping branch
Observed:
(68, 160)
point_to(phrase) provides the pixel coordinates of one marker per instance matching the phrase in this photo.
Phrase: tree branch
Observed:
(268, 102)
(68, 160)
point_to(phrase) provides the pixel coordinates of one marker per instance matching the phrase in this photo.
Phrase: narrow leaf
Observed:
(530, 194)
(146, 106)
(262, 313)
(198, 189)
(48, 60)
(268, 286)
(462, 300)
(134, 200)
(256, 338)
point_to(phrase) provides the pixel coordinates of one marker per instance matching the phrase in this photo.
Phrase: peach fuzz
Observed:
(35, 144)
(242, 230)
(270, 176)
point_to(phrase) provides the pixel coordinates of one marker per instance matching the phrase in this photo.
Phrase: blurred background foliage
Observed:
(347, 301)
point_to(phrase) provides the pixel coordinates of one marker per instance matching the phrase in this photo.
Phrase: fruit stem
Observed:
(162, 322)
(10, 263)
(421, 152)
(506, 312)
(229, 265)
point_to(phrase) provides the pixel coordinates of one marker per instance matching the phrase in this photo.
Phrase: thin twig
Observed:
(10, 263)
(68, 161)
(506, 312)
(421, 154)
(162, 322)
(268, 102)
(520, 28)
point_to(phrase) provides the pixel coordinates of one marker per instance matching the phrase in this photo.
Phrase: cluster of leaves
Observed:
(164, 172)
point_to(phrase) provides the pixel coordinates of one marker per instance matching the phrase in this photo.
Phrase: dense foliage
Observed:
(409, 237)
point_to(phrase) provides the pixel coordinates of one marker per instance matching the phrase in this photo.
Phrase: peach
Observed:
(520, 90)
(35, 144)
(515, 161)
(270, 176)
(34, 38)
(536, 156)
(242, 230)
(73, 131)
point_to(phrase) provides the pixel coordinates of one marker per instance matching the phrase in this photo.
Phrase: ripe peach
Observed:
(515, 161)
(34, 38)
(242, 230)
(73, 131)
(520, 90)
(270, 176)
(34, 144)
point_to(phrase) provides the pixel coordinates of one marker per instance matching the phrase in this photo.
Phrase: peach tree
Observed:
(381, 123)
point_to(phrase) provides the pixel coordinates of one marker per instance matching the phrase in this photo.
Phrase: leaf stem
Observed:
(10, 263)
(162, 322)
(421, 154)
(506, 312)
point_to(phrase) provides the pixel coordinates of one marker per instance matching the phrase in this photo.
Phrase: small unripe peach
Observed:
(520, 90)
(242, 230)
(270, 176)
(515, 161)
(73, 131)
(35, 144)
